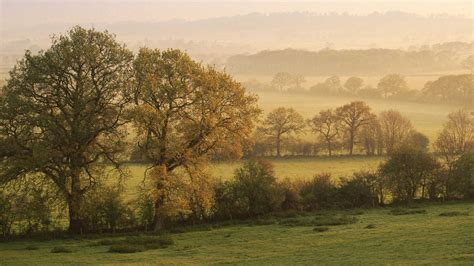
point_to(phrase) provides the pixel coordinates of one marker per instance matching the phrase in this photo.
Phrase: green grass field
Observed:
(425, 238)
(302, 168)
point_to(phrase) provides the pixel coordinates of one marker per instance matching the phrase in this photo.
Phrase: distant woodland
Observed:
(440, 57)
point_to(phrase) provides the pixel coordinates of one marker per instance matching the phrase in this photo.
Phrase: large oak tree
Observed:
(185, 114)
(61, 114)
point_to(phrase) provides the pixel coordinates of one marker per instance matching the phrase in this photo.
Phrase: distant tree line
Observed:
(352, 127)
(345, 62)
(448, 89)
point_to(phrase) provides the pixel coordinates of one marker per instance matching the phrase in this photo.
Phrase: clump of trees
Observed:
(448, 89)
(352, 127)
(65, 112)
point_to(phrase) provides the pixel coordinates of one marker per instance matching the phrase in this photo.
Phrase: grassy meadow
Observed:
(302, 168)
(426, 117)
(376, 237)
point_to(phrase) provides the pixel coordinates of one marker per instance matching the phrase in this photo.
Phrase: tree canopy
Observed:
(62, 112)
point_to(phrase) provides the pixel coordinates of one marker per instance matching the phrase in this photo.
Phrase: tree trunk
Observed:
(278, 145)
(158, 217)
(75, 219)
(74, 204)
(351, 143)
(161, 174)
(329, 149)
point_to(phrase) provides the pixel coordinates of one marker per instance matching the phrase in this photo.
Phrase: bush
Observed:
(105, 210)
(408, 171)
(254, 191)
(461, 181)
(61, 249)
(256, 188)
(30, 208)
(291, 197)
(319, 192)
(355, 193)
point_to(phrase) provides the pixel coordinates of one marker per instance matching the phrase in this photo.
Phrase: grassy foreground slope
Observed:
(425, 238)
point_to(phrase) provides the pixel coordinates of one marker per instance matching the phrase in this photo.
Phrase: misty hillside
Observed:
(257, 31)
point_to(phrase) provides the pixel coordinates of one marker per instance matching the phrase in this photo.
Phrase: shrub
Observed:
(291, 197)
(319, 192)
(254, 191)
(30, 208)
(145, 210)
(226, 205)
(105, 210)
(461, 181)
(408, 171)
(356, 193)
(61, 249)
(256, 188)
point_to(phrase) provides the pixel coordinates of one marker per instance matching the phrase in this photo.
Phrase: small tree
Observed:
(407, 171)
(457, 136)
(418, 140)
(282, 122)
(354, 84)
(283, 80)
(353, 116)
(395, 129)
(327, 126)
(256, 188)
(392, 85)
(462, 181)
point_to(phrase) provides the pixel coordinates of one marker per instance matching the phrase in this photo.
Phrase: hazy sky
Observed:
(16, 13)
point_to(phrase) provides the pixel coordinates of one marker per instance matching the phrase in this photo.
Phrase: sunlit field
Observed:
(414, 81)
(426, 117)
(376, 237)
(292, 168)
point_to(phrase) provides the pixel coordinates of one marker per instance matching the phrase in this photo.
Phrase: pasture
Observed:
(303, 168)
(415, 81)
(426, 117)
(378, 236)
